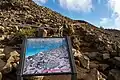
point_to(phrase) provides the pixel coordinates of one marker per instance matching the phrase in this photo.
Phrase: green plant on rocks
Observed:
(26, 32)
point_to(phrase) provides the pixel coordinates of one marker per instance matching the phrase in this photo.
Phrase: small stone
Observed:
(99, 76)
(77, 62)
(11, 60)
(113, 53)
(7, 68)
(2, 38)
(106, 56)
(42, 33)
(1, 50)
(17, 28)
(14, 53)
(0, 76)
(73, 50)
(16, 58)
(99, 57)
(7, 51)
(15, 65)
(17, 62)
(116, 61)
(85, 62)
(2, 64)
(77, 53)
(2, 55)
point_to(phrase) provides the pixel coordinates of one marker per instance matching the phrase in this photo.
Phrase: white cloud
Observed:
(40, 1)
(115, 6)
(104, 21)
(107, 23)
(77, 5)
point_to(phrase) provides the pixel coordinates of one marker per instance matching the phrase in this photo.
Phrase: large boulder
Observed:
(7, 51)
(114, 74)
(98, 56)
(81, 73)
(116, 61)
(94, 74)
(85, 61)
(92, 55)
(103, 67)
(81, 59)
(94, 64)
(7, 68)
(13, 60)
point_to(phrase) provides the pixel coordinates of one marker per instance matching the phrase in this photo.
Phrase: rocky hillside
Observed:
(96, 51)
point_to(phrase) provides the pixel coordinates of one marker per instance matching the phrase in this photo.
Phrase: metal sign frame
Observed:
(73, 72)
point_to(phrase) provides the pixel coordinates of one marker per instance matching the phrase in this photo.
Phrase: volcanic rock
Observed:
(14, 54)
(92, 55)
(114, 74)
(85, 62)
(94, 64)
(41, 33)
(0, 76)
(7, 68)
(2, 64)
(7, 51)
(113, 53)
(76, 53)
(2, 54)
(106, 56)
(94, 74)
(116, 61)
(103, 67)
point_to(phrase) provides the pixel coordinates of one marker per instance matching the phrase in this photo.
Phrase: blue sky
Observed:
(104, 13)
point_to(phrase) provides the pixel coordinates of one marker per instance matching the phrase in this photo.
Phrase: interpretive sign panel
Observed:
(46, 56)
